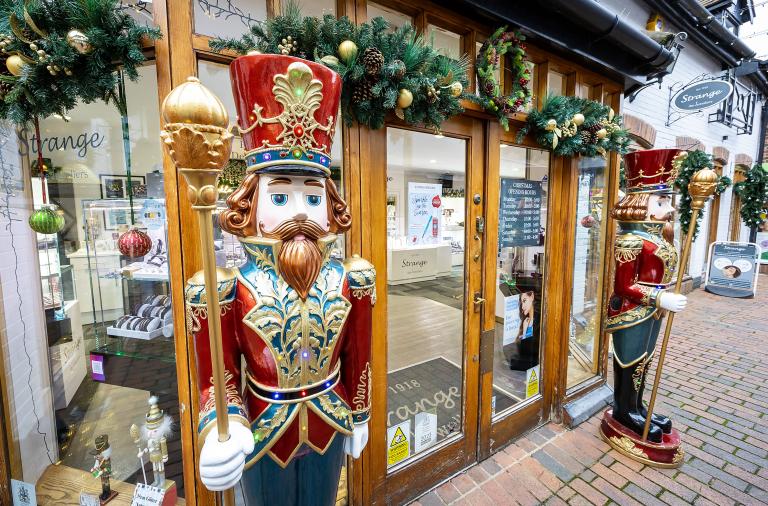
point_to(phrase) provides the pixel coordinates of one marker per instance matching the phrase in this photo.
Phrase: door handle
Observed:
(479, 301)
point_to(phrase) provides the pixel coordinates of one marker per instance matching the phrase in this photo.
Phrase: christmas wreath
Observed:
(576, 126)
(488, 59)
(753, 192)
(382, 70)
(55, 53)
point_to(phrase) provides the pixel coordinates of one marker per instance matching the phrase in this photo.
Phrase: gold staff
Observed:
(701, 187)
(196, 138)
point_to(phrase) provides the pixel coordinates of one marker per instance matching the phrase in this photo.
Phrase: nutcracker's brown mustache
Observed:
(291, 228)
(299, 260)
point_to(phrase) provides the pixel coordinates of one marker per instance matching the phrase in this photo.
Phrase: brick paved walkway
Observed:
(715, 388)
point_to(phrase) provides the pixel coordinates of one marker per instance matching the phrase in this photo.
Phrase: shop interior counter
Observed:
(422, 262)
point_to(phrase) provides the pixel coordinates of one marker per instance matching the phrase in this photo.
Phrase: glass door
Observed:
(434, 230)
(514, 316)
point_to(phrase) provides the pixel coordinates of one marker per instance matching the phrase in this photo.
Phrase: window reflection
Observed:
(586, 309)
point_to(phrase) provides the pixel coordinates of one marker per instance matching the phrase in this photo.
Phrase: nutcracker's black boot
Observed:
(661, 421)
(625, 403)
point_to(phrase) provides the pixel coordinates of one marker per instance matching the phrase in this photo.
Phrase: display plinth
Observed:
(112, 495)
(667, 454)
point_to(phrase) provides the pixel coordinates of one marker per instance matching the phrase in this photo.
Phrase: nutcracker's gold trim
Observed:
(629, 318)
(629, 364)
(361, 400)
(286, 424)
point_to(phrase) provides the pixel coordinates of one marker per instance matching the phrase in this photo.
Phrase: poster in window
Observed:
(519, 212)
(425, 214)
(762, 241)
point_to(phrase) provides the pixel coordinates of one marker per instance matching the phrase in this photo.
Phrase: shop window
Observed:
(585, 91)
(556, 83)
(426, 202)
(524, 174)
(445, 41)
(395, 18)
(587, 306)
(227, 18)
(318, 8)
(91, 354)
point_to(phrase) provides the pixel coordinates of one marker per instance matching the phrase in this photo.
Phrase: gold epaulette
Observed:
(627, 247)
(226, 280)
(361, 276)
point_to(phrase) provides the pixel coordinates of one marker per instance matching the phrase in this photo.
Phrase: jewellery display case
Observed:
(129, 309)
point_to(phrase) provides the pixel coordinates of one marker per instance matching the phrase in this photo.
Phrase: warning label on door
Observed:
(398, 442)
(531, 382)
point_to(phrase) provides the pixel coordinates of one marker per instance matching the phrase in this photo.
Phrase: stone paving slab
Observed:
(715, 387)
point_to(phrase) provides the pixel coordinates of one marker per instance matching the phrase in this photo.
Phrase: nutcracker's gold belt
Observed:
(278, 395)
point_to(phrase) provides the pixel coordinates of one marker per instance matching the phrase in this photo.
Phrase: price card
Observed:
(146, 495)
(89, 500)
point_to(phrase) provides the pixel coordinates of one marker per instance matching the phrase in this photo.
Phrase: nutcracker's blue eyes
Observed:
(314, 200)
(279, 199)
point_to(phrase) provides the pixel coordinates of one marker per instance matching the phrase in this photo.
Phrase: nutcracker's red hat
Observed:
(286, 111)
(651, 170)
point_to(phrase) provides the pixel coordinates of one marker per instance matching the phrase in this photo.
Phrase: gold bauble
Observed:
(404, 98)
(15, 64)
(601, 133)
(79, 41)
(578, 119)
(330, 60)
(348, 51)
(456, 88)
(551, 125)
(193, 103)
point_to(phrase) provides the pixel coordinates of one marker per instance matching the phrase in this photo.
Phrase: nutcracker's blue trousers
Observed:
(310, 480)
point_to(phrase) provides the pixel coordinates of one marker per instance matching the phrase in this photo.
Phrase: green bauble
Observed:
(46, 220)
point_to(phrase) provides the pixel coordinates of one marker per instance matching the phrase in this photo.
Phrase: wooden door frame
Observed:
(420, 475)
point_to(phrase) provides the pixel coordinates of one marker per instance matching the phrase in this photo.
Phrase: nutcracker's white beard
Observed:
(165, 429)
(299, 259)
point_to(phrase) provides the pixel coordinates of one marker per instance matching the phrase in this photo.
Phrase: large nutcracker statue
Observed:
(644, 291)
(297, 317)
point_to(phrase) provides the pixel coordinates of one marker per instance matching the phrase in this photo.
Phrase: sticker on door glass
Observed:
(531, 381)
(398, 442)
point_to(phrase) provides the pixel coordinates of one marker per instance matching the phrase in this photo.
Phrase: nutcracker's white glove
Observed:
(674, 302)
(354, 444)
(221, 463)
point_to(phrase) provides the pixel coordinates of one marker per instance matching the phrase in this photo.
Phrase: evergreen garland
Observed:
(382, 70)
(488, 59)
(722, 184)
(753, 192)
(687, 165)
(54, 53)
(576, 126)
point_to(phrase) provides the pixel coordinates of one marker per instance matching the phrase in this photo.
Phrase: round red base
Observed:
(668, 453)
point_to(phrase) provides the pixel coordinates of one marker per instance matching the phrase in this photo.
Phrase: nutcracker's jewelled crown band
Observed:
(287, 110)
(651, 170)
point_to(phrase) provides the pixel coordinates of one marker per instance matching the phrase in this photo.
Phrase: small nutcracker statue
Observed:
(643, 293)
(299, 317)
(102, 467)
(154, 434)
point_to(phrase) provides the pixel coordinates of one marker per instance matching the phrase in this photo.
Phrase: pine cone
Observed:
(373, 60)
(363, 90)
(399, 69)
(5, 88)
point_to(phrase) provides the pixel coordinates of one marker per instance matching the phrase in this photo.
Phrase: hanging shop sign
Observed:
(733, 269)
(702, 95)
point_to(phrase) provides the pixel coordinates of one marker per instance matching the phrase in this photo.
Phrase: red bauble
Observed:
(134, 243)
